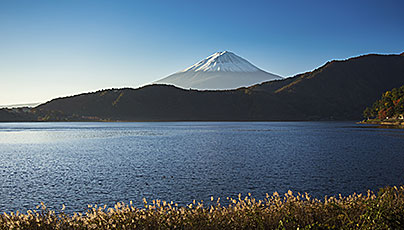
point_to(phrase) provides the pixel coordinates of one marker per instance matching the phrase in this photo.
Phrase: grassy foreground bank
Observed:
(384, 210)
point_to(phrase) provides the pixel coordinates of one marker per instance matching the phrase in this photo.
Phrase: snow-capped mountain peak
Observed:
(221, 70)
(224, 61)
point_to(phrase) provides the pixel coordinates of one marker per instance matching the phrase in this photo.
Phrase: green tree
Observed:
(369, 113)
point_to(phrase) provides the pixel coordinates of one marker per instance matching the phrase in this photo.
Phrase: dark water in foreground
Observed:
(102, 163)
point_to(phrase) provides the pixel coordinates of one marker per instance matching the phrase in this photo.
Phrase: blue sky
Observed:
(52, 48)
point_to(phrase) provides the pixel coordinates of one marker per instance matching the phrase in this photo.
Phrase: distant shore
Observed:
(384, 123)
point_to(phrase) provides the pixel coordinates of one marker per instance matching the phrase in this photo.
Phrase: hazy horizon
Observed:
(53, 49)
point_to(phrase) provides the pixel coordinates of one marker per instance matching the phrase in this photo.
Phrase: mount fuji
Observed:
(220, 71)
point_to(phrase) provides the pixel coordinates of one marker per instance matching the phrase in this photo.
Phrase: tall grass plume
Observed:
(384, 210)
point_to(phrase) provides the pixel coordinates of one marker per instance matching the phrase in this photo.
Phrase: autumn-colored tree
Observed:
(390, 105)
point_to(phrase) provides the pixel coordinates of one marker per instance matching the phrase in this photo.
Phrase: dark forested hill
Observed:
(20, 114)
(162, 102)
(339, 90)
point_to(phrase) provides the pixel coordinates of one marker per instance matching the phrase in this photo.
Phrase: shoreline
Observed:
(172, 120)
(384, 124)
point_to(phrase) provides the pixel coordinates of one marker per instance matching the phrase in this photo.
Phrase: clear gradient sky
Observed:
(53, 48)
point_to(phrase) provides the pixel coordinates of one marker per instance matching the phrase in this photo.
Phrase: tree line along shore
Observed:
(388, 110)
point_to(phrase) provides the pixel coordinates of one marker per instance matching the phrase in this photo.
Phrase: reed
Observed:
(384, 210)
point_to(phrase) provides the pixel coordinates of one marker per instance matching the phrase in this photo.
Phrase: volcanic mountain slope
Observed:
(339, 90)
(222, 70)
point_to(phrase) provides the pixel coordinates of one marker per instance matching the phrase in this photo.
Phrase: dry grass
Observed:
(384, 210)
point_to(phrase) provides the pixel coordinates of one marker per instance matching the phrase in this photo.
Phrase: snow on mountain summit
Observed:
(223, 61)
(219, 71)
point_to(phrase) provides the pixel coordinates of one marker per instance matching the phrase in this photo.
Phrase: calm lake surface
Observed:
(77, 164)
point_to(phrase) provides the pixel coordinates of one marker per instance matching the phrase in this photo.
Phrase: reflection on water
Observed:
(101, 163)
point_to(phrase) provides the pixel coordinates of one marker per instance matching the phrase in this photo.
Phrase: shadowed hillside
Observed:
(339, 90)
(19, 114)
(162, 102)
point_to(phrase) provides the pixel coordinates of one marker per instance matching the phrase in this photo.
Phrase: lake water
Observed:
(102, 163)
